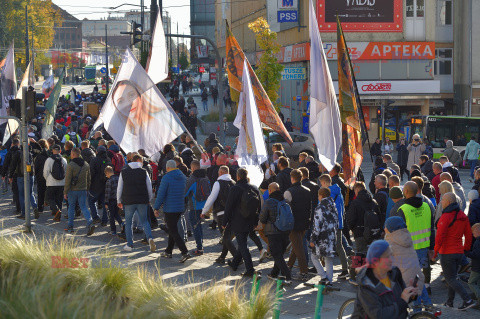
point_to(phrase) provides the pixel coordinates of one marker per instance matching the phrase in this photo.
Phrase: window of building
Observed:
(443, 61)
(415, 8)
(445, 12)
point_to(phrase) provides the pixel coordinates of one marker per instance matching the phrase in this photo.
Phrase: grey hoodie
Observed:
(452, 154)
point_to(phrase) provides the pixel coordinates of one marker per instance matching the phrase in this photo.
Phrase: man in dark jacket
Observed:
(381, 195)
(96, 192)
(402, 157)
(187, 156)
(14, 148)
(312, 187)
(277, 240)
(240, 225)
(213, 142)
(87, 152)
(15, 171)
(283, 177)
(39, 163)
(312, 166)
(376, 149)
(300, 199)
(362, 203)
(336, 179)
(426, 167)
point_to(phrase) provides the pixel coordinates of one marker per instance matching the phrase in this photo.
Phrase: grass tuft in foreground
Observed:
(31, 288)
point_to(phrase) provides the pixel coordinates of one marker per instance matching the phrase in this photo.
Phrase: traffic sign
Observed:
(103, 70)
(114, 70)
(287, 16)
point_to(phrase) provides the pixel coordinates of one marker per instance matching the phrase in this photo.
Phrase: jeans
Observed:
(306, 243)
(81, 198)
(423, 298)
(450, 264)
(320, 270)
(54, 197)
(100, 198)
(141, 209)
(196, 223)
(340, 251)
(278, 244)
(243, 252)
(205, 105)
(171, 219)
(474, 283)
(114, 216)
(473, 164)
(21, 194)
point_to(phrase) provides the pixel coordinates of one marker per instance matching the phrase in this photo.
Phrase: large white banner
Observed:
(157, 64)
(135, 113)
(8, 82)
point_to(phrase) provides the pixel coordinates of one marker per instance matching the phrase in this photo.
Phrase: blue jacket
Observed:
(471, 152)
(390, 205)
(192, 188)
(336, 194)
(171, 192)
(474, 254)
(3, 154)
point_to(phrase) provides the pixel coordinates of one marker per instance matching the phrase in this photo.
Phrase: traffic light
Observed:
(31, 105)
(15, 107)
(137, 33)
(379, 113)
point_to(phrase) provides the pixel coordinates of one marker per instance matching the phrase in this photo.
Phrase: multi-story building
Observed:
(68, 35)
(402, 51)
(202, 22)
(95, 30)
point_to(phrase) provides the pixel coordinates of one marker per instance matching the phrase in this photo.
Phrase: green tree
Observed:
(184, 63)
(268, 69)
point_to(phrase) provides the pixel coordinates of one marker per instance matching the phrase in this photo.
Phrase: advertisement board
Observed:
(293, 73)
(361, 15)
(396, 87)
(384, 50)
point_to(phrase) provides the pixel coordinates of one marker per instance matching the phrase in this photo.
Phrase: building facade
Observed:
(402, 51)
(95, 30)
(202, 22)
(68, 35)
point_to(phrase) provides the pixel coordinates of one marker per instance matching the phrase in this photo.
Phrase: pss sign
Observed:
(287, 16)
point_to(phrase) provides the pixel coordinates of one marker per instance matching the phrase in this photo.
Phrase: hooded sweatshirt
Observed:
(404, 256)
(471, 152)
(452, 154)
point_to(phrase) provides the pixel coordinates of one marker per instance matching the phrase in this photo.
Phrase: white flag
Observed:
(8, 81)
(47, 86)
(135, 113)
(157, 64)
(28, 80)
(251, 151)
(325, 123)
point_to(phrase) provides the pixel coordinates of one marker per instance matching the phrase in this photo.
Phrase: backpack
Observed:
(221, 201)
(118, 162)
(203, 189)
(249, 203)
(58, 170)
(284, 220)
(372, 228)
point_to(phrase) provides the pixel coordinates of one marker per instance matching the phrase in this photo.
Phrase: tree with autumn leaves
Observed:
(268, 70)
(42, 17)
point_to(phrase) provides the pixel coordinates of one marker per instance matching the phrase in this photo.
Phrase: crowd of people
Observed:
(300, 208)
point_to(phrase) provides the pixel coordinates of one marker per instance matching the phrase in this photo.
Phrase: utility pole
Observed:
(27, 51)
(142, 17)
(153, 14)
(178, 50)
(26, 160)
(160, 7)
(383, 120)
(106, 60)
(33, 52)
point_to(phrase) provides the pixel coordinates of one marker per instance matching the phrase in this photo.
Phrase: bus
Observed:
(438, 129)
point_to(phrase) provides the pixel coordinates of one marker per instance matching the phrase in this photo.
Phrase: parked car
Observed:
(301, 143)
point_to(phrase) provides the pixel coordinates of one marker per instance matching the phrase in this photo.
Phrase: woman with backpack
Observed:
(324, 232)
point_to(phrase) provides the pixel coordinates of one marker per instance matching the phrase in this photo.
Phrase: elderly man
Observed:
(420, 223)
(457, 188)
(170, 195)
(452, 227)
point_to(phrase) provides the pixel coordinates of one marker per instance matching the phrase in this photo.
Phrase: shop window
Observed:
(415, 8)
(443, 61)
(445, 12)
(394, 70)
(420, 69)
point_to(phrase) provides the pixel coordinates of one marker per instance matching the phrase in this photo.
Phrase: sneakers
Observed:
(467, 304)
(220, 261)
(448, 304)
(343, 274)
(91, 229)
(127, 248)
(198, 252)
(185, 257)
(152, 245)
(302, 277)
(263, 255)
(352, 282)
(166, 255)
(69, 230)
(274, 278)
(58, 216)
(248, 274)
(36, 213)
(231, 265)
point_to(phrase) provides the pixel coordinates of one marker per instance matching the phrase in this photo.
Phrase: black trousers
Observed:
(227, 237)
(278, 244)
(41, 190)
(16, 198)
(171, 219)
(54, 197)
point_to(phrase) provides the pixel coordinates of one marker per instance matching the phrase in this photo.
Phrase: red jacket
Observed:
(435, 183)
(449, 240)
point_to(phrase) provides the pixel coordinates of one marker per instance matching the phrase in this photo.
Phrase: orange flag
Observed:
(351, 129)
(266, 111)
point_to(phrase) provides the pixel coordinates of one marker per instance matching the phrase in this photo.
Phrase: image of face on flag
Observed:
(47, 86)
(135, 113)
(8, 81)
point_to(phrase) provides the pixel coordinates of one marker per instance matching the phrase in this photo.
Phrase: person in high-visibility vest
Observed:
(420, 221)
(71, 135)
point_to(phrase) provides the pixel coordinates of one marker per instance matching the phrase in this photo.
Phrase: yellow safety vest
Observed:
(419, 224)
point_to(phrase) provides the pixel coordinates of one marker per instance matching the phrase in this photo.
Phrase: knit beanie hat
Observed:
(395, 192)
(375, 251)
(395, 223)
